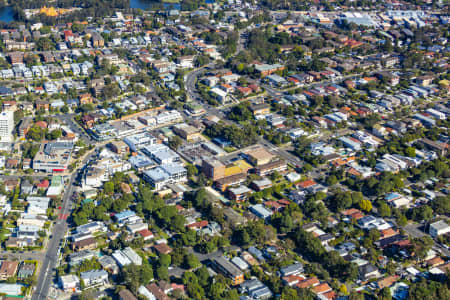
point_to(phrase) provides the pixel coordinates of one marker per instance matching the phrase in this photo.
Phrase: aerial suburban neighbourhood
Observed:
(236, 150)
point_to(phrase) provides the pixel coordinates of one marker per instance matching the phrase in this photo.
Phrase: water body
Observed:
(6, 14)
(149, 4)
(142, 4)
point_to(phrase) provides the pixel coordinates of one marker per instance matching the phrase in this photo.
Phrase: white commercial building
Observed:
(139, 141)
(38, 205)
(32, 220)
(165, 174)
(11, 289)
(168, 117)
(161, 154)
(94, 277)
(439, 228)
(69, 282)
(91, 228)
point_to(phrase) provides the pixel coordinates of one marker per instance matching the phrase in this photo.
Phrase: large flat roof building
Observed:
(53, 157)
(229, 269)
(165, 174)
(161, 154)
(213, 168)
(439, 228)
(139, 141)
(259, 156)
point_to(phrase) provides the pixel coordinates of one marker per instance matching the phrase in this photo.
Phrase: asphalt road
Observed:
(191, 79)
(50, 260)
(70, 122)
(203, 258)
(413, 230)
(21, 176)
(35, 255)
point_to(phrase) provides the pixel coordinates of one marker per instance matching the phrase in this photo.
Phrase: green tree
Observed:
(80, 218)
(331, 180)
(410, 151)
(365, 205)
(428, 290)
(35, 133)
(165, 260)
(385, 294)
(194, 289)
(45, 44)
(402, 220)
(354, 295)
(357, 197)
(177, 223)
(191, 261)
(441, 205)
(162, 273)
(175, 142)
(422, 246)
(202, 275)
(109, 187)
(384, 210)
(201, 60)
(177, 256)
(341, 201)
(131, 277)
(55, 134)
(191, 170)
(289, 294)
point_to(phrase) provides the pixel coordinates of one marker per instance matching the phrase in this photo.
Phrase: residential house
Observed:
(126, 295)
(8, 269)
(259, 185)
(97, 40)
(86, 99)
(26, 270)
(368, 271)
(86, 244)
(239, 194)
(156, 292)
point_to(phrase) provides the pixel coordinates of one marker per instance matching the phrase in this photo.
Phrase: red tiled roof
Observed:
(388, 233)
(43, 184)
(293, 279)
(41, 124)
(387, 282)
(162, 248)
(330, 295)
(436, 261)
(145, 233)
(313, 281)
(307, 183)
(200, 224)
(177, 286)
(284, 202)
(321, 288)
